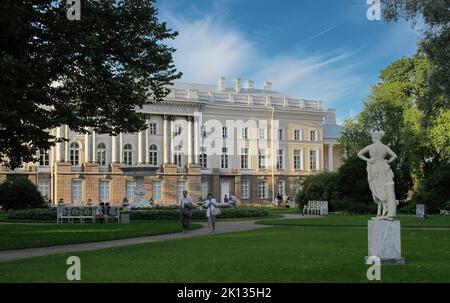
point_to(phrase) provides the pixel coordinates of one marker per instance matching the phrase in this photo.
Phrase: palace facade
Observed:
(222, 140)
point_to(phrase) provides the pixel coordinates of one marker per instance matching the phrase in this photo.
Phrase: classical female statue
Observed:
(380, 176)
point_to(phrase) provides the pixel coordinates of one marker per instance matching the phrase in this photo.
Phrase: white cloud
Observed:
(208, 48)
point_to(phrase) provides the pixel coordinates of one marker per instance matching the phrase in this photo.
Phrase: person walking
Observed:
(211, 205)
(186, 210)
(233, 200)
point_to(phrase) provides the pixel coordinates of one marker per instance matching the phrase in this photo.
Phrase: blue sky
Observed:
(311, 49)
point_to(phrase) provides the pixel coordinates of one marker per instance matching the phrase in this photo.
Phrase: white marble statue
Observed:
(139, 195)
(380, 176)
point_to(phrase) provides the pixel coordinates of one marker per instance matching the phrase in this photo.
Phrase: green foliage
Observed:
(197, 214)
(18, 192)
(435, 190)
(90, 73)
(38, 214)
(317, 187)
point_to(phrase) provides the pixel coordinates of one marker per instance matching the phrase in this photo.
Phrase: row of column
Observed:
(168, 147)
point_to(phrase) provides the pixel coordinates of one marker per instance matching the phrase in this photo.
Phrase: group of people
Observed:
(230, 200)
(279, 200)
(186, 211)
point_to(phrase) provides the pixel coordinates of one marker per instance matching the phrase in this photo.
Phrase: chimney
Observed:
(237, 84)
(331, 116)
(221, 83)
(268, 86)
(249, 84)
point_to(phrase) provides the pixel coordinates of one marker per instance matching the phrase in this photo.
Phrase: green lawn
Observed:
(360, 221)
(13, 236)
(274, 254)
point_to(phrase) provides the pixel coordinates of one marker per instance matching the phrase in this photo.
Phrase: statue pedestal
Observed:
(384, 241)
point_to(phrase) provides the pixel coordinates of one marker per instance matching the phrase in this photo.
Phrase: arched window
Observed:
(74, 154)
(153, 155)
(101, 154)
(128, 154)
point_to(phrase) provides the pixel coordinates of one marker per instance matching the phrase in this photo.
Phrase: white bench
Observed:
(316, 208)
(80, 214)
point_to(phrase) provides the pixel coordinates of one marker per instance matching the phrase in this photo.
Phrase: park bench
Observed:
(82, 213)
(316, 208)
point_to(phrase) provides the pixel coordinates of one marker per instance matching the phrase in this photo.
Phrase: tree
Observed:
(435, 44)
(95, 72)
(18, 192)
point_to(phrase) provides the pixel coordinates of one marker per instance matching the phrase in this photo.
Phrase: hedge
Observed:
(197, 214)
(149, 214)
(37, 214)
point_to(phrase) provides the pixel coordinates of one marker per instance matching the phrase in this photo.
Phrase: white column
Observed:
(113, 149)
(120, 147)
(165, 147)
(93, 156)
(86, 147)
(66, 144)
(189, 134)
(139, 147)
(146, 142)
(172, 147)
(58, 145)
(330, 157)
(196, 141)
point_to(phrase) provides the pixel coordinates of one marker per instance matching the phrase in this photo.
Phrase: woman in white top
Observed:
(211, 205)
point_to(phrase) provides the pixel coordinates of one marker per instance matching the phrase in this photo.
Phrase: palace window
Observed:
(280, 134)
(281, 188)
(77, 190)
(103, 191)
(44, 157)
(244, 133)
(101, 154)
(74, 154)
(128, 154)
(245, 189)
(298, 159)
(153, 155)
(130, 187)
(152, 128)
(203, 160)
(225, 132)
(298, 135)
(313, 159)
(224, 158)
(44, 188)
(262, 190)
(262, 133)
(313, 135)
(280, 159)
(204, 189)
(156, 190)
(262, 158)
(244, 158)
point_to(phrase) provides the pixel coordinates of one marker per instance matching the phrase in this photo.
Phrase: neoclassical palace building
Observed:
(254, 143)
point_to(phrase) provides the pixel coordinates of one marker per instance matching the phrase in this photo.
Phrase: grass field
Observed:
(13, 236)
(274, 254)
(360, 221)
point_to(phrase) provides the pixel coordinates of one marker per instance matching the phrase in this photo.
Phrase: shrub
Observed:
(38, 214)
(197, 214)
(17, 192)
(435, 190)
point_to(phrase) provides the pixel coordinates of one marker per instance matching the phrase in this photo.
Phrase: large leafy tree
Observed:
(435, 44)
(94, 72)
